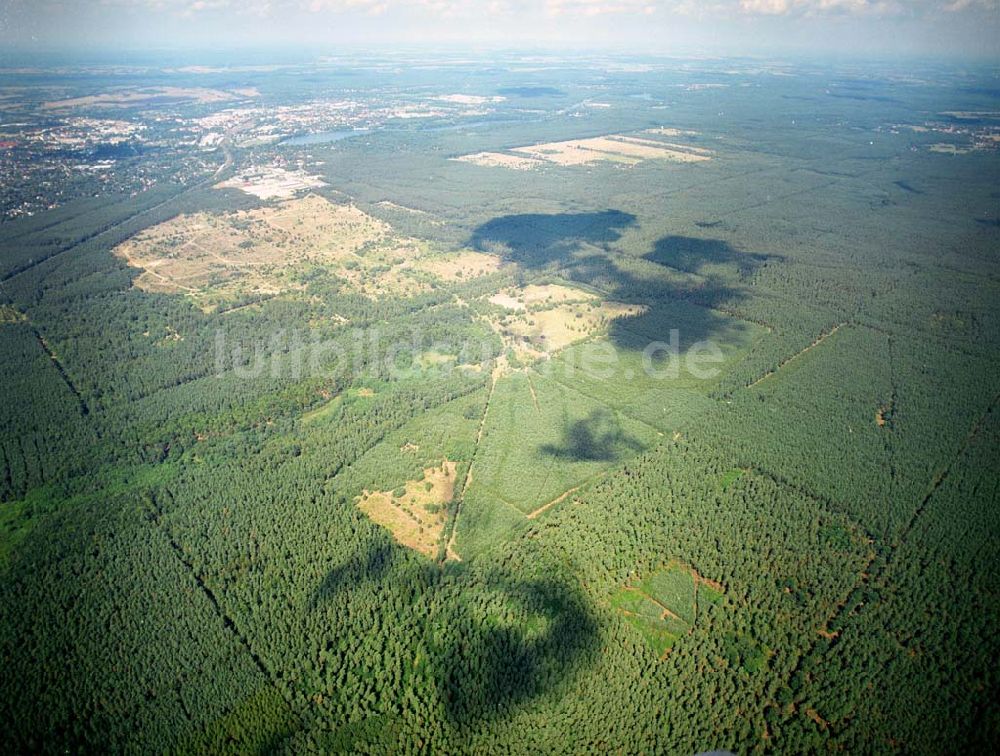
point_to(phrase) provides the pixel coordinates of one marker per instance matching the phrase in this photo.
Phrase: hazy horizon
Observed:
(861, 29)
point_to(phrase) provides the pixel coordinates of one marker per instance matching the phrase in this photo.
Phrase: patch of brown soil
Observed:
(417, 518)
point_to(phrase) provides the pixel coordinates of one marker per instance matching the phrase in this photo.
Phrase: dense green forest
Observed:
(794, 552)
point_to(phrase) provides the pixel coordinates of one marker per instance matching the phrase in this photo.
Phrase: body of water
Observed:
(323, 137)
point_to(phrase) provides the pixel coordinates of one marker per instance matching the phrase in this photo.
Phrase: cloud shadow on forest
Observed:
(491, 665)
(360, 568)
(598, 437)
(494, 639)
(683, 281)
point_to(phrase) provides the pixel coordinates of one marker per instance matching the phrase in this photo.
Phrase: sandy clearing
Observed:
(215, 257)
(417, 518)
(459, 266)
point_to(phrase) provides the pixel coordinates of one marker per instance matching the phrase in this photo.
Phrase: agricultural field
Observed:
(614, 148)
(523, 404)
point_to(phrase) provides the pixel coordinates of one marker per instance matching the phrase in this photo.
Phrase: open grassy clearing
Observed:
(663, 606)
(214, 258)
(9, 314)
(544, 319)
(532, 453)
(458, 266)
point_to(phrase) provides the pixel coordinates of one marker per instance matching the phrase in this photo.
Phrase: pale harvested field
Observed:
(664, 131)
(572, 152)
(212, 258)
(501, 160)
(617, 148)
(409, 517)
(949, 149)
(671, 146)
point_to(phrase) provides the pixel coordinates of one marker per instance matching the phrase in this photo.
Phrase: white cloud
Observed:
(598, 7)
(567, 9)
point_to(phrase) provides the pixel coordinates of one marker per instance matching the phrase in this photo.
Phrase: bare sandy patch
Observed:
(544, 319)
(507, 301)
(215, 257)
(459, 266)
(416, 517)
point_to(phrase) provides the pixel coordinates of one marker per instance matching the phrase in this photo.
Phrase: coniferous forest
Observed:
(665, 425)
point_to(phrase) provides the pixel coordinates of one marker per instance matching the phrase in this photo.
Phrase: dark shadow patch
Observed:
(691, 255)
(678, 272)
(907, 187)
(359, 569)
(538, 241)
(492, 638)
(524, 639)
(596, 438)
(989, 222)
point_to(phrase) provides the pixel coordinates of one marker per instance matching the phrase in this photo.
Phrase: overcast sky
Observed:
(850, 27)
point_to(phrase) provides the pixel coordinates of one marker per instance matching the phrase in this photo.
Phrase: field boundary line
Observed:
(815, 343)
(227, 622)
(453, 528)
(891, 550)
(609, 407)
(561, 497)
